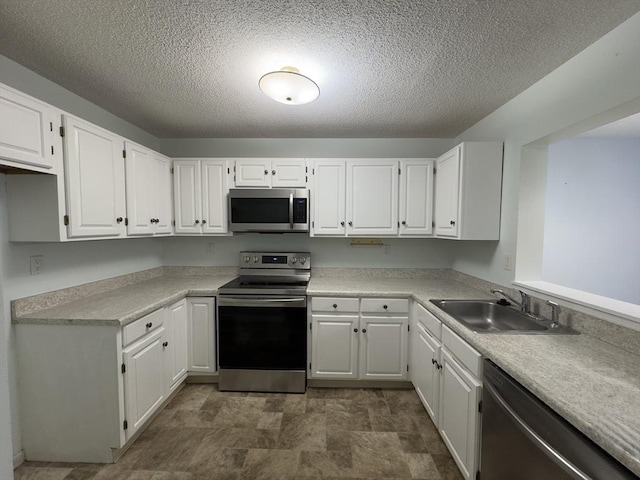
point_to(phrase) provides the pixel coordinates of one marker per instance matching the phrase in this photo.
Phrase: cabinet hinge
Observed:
(398, 224)
(51, 149)
(65, 219)
(408, 328)
(51, 126)
(124, 154)
(228, 170)
(126, 221)
(434, 170)
(173, 222)
(313, 224)
(62, 131)
(313, 171)
(480, 406)
(306, 169)
(306, 179)
(310, 326)
(125, 424)
(172, 170)
(478, 475)
(399, 171)
(407, 367)
(123, 368)
(433, 224)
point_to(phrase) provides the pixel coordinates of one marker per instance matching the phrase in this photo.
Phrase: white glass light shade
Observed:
(288, 86)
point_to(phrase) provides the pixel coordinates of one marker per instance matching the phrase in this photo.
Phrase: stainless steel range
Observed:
(262, 335)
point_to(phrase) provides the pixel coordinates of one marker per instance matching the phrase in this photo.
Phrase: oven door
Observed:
(260, 332)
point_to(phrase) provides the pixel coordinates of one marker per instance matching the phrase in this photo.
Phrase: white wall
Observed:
(603, 76)
(592, 220)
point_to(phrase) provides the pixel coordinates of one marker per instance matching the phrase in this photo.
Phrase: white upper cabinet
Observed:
(328, 197)
(372, 197)
(268, 172)
(355, 197)
(29, 132)
(95, 180)
(416, 197)
(200, 188)
(468, 184)
(148, 187)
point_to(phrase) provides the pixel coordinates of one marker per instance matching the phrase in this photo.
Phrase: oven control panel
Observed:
(299, 260)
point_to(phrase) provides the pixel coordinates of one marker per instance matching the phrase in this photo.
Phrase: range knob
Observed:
(294, 259)
(246, 259)
(255, 259)
(303, 260)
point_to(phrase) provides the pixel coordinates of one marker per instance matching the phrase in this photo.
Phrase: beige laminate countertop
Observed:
(594, 385)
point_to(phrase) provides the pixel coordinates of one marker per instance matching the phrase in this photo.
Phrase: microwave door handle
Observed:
(291, 210)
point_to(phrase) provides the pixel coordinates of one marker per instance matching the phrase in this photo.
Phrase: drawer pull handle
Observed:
(364, 330)
(149, 325)
(355, 330)
(335, 305)
(165, 344)
(385, 306)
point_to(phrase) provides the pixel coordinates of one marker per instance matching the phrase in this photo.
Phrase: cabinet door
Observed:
(201, 334)
(144, 380)
(416, 197)
(334, 349)
(424, 373)
(214, 196)
(286, 172)
(253, 172)
(175, 346)
(447, 187)
(95, 180)
(372, 197)
(383, 347)
(161, 195)
(27, 130)
(140, 178)
(459, 418)
(328, 197)
(187, 196)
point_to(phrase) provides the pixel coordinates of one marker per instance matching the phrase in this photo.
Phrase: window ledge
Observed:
(615, 311)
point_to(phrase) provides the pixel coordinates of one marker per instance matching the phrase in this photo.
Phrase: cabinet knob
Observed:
(364, 330)
(266, 172)
(149, 325)
(404, 222)
(351, 224)
(452, 222)
(433, 361)
(204, 221)
(355, 330)
(385, 306)
(273, 172)
(119, 220)
(335, 305)
(197, 222)
(165, 344)
(157, 220)
(342, 223)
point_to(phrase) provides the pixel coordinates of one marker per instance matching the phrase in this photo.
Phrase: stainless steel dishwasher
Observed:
(523, 439)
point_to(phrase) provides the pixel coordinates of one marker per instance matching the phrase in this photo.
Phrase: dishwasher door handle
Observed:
(554, 455)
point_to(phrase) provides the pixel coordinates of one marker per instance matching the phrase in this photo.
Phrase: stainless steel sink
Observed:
(487, 316)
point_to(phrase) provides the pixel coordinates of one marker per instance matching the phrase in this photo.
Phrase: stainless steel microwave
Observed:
(269, 210)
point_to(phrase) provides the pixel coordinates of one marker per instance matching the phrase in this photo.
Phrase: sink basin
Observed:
(486, 316)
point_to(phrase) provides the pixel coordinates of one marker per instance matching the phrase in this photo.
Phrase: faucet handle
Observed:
(555, 312)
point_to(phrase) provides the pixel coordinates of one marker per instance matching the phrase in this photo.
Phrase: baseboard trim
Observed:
(18, 459)
(388, 384)
(202, 378)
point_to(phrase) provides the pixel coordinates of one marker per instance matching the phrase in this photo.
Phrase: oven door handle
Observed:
(291, 210)
(288, 302)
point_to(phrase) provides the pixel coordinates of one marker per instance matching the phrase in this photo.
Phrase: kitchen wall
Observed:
(603, 76)
(592, 216)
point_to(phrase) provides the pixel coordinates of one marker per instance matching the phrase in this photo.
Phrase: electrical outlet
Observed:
(210, 248)
(387, 249)
(508, 262)
(37, 264)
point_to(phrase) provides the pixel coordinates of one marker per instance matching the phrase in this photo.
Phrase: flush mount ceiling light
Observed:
(288, 86)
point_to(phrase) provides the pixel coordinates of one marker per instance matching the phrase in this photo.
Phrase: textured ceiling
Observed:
(386, 68)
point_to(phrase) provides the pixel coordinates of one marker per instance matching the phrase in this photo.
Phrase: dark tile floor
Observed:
(326, 433)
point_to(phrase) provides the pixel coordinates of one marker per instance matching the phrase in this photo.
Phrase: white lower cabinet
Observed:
(86, 390)
(425, 374)
(201, 331)
(359, 340)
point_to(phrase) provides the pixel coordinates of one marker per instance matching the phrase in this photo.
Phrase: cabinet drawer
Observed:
(385, 305)
(431, 323)
(142, 326)
(334, 304)
(464, 353)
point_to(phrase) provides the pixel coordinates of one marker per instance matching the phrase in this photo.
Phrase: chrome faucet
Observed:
(555, 311)
(524, 303)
